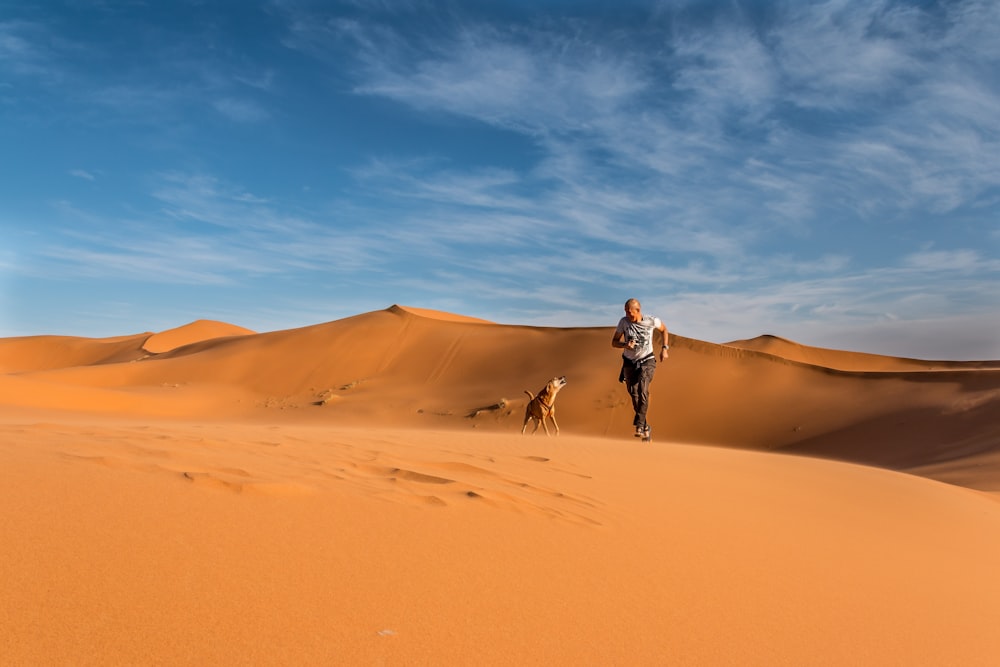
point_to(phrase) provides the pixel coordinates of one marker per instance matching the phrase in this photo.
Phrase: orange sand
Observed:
(357, 492)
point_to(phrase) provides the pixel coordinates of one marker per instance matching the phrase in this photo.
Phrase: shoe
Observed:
(638, 431)
(647, 434)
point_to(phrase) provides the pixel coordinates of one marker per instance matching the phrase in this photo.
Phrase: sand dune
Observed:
(851, 361)
(357, 492)
(195, 332)
(35, 353)
(401, 367)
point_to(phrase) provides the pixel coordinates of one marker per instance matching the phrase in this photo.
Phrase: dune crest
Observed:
(850, 361)
(436, 314)
(194, 332)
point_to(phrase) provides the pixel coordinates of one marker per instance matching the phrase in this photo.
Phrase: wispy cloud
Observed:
(84, 174)
(838, 54)
(593, 119)
(166, 78)
(21, 48)
(532, 81)
(963, 261)
(205, 232)
(684, 158)
(241, 111)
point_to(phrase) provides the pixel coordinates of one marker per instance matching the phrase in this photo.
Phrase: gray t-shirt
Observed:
(641, 332)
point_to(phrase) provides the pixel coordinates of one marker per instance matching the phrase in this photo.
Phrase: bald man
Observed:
(634, 336)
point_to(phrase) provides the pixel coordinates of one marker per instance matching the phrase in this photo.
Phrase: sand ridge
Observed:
(850, 361)
(357, 492)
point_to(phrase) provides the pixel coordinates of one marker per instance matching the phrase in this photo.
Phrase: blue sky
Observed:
(824, 171)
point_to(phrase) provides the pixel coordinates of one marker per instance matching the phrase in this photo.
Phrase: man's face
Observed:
(634, 312)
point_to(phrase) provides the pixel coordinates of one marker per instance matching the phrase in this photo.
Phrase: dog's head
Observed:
(553, 386)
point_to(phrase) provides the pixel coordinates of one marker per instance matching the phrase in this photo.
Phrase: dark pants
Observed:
(637, 379)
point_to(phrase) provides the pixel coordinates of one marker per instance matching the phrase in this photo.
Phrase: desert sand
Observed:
(358, 493)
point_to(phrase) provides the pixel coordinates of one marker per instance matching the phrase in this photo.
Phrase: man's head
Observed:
(633, 310)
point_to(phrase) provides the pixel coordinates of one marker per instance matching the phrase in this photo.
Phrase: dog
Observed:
(543, 406)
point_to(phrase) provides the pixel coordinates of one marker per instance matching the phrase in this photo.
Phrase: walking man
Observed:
(634, 335)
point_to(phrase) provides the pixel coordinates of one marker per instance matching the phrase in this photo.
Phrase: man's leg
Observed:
(640, 396)
(632, 381)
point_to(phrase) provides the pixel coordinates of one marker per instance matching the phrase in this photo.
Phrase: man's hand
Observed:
(664, 354)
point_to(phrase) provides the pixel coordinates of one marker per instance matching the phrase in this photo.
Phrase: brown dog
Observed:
(544, 405)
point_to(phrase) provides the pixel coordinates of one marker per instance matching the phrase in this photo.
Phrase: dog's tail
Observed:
(530, 395)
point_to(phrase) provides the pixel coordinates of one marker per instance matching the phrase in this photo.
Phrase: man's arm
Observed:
(666, 341)
(618, 339)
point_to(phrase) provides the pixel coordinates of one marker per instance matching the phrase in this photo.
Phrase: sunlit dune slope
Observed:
(215, 543)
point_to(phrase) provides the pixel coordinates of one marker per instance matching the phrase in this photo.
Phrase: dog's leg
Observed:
(544, 425)
(554, 422)
(527, 411)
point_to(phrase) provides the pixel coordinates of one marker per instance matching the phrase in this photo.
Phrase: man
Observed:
(634, 335)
